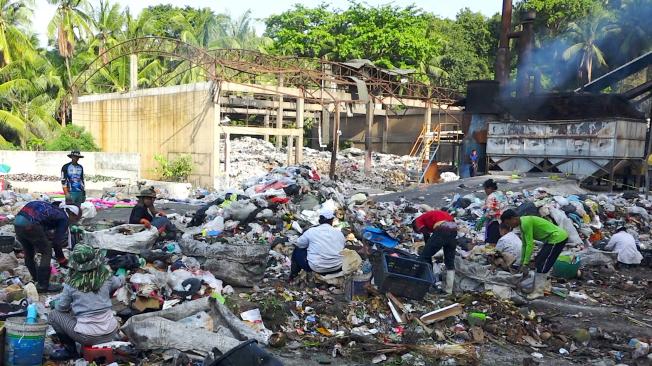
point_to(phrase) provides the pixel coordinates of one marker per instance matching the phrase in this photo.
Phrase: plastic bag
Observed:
(122, 238)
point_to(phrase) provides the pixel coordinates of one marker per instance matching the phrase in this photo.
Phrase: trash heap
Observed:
(255, 157)
(223, 279)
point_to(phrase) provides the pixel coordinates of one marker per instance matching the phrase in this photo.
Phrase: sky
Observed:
(43, 11)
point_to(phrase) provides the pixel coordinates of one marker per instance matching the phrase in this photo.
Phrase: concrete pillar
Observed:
(299, 145)
(279, 114)
(227, 156)
(289, 147)
(385, 134)
(133, 72)
(216, 168)
(367, 136)
(266, 124)
(336, 141)
(427, 125)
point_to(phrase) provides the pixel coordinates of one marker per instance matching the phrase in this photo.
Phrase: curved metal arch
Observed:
(161, 46)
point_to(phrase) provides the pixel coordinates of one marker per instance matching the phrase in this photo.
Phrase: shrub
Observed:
(71, 138)
(176, 170)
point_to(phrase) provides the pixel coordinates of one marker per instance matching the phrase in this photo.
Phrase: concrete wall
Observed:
(403, 130)
(118, 165)
(167, 121)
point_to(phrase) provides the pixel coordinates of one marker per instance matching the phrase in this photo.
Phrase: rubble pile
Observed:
(255, 157)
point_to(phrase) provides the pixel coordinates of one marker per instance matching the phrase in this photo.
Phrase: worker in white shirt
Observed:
(509, 245)
(319, 248)
(624, 244)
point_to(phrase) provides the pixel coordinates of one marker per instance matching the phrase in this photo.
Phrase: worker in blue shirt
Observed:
(72, 179)
(31, 224)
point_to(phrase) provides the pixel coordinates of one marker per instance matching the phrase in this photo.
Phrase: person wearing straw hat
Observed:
(145, 213)
(82, 313)
(32, 224)
(72, 179)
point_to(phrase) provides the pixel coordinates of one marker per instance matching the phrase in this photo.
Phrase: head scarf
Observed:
(70, 208)
(87, 269)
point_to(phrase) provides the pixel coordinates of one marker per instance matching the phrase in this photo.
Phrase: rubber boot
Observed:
(68, 352)
(450, 280)
(43, 281)
(540, 280)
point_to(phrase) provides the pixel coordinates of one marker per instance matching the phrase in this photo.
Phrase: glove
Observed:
(148, 225)
(63, 262)
(121, 272)
(525, 269)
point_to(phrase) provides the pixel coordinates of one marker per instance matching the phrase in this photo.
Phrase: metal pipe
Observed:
(502, 56)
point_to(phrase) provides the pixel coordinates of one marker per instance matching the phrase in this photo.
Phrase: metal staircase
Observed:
(428, 143)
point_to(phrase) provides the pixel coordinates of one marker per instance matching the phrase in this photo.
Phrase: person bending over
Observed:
(553, 237)
(439, 231)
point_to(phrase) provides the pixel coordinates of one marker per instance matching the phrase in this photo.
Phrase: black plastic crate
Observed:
(647, 257)
(389, 276)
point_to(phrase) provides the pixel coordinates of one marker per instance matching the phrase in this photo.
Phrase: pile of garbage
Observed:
(223, 280)
(252, 157)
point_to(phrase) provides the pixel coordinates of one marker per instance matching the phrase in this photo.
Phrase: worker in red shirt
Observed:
(439, 231)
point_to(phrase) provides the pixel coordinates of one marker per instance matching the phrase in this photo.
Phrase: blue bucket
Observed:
(24, 342)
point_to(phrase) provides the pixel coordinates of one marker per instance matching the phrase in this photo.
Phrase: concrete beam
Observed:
(238, 101)
(300, 117)
(260, 131)
(262, 112)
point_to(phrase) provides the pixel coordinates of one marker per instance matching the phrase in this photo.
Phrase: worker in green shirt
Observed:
(536, 228)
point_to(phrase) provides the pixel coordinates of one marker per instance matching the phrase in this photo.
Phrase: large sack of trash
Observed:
(237, 263)
(123, 238)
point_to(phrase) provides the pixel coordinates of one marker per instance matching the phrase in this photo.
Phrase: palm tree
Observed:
(13, 39)
(108, 21)
(635, 27)
(585, 36)
(30, 94)
(70, 24)
(240, 34)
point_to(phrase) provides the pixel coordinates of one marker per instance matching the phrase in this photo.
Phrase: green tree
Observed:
(554, 15)
(69, 23)
(107, 20)
(14, 43)
(72, 137)
(585, 37)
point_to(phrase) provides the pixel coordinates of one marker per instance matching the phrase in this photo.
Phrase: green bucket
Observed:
(566, 267)
(24, 342)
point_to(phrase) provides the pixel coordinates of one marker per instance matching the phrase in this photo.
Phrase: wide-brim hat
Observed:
(75, 154)
(85, 258)
(147, 192)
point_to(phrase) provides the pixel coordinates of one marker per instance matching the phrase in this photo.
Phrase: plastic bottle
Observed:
(32, 314)
(641, 349)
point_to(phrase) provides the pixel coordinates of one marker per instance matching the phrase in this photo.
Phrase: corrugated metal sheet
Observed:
(591, 144)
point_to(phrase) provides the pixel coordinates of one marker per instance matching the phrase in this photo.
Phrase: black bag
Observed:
(246, 354)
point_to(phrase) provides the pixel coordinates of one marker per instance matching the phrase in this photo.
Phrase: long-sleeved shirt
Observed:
(624, 244)
(535, 228)
(72, 176)
(426, 222)
(92, 309)
(46, 215)
(324, 243)
(494, 205)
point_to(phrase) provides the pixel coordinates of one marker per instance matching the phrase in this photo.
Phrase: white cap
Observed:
(72, 208)
(327, 213)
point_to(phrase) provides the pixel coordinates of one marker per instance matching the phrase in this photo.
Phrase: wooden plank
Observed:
(443, 313)
(260, 131)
